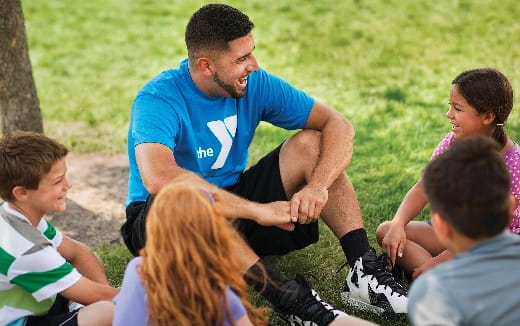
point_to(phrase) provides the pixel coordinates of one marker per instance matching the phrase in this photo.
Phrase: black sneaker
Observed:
(370, 286)
(399, 274)
(301, 305)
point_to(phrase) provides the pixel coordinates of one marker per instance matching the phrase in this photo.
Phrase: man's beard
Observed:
(230, 89)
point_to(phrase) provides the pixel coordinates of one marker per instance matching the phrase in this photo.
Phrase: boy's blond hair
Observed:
(25, 157)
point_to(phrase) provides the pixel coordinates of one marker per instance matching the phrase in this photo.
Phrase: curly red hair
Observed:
(188, 261)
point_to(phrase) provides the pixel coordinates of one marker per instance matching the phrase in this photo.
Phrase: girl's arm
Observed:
(413, 203)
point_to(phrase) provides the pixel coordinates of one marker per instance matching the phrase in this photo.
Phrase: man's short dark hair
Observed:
(469, 186)
(211, 28)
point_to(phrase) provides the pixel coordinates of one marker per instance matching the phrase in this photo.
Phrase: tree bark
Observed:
(19, 106)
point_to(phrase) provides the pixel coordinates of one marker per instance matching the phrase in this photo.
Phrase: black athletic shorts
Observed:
(261, 183)
(58, 315)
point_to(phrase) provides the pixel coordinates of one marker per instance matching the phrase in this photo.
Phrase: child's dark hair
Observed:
(488, 90)
(213, 26)
(25, 157)
(469, 186)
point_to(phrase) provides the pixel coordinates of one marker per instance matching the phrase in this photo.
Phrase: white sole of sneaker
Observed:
(360, 305)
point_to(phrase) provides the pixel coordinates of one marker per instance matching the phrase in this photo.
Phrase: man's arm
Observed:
(336, 146)
(337, 143)
(158, 167)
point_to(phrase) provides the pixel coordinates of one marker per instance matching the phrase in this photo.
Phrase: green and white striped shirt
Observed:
(32, 271)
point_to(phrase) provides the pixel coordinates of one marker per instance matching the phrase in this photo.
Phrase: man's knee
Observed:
(305, 143)
(133, 231)
(308, 138)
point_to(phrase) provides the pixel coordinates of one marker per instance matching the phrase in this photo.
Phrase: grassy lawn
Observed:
(386, 65)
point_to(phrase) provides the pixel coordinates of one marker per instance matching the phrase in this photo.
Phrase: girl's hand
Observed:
(394, 242)
(275, 213)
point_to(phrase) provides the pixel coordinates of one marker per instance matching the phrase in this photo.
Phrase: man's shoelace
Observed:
(306, 304)
(378, 268)
(313, 309)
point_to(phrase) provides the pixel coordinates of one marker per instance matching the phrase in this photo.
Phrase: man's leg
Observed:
(293, 299)
(133, 231)
(341, 213)
(380, 293)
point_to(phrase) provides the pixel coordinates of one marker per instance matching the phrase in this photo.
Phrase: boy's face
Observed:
(52, 190)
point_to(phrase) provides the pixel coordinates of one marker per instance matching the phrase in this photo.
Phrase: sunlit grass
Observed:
(385, 65)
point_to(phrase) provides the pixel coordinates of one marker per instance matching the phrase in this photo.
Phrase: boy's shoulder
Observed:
(481, 263)
(26, 249)
(19, 237)
(484, 274)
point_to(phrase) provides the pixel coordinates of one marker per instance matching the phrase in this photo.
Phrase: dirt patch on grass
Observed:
(95, 203)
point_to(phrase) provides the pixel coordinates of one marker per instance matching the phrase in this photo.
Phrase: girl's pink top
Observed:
(512, 159)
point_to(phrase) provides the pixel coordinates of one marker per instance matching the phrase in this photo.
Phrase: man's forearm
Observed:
(337, 140)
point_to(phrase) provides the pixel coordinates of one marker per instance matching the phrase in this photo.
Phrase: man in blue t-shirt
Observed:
(198, 121)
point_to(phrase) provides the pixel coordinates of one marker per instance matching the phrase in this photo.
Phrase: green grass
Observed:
(387, 65)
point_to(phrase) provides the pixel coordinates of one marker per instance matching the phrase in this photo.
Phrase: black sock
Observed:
(355, 244)
(264, 281)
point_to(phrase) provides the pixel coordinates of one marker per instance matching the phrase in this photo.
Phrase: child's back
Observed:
(478, 287)
(468, 188)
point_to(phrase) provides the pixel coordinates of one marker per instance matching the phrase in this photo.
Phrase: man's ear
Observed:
(441, 228)
(20, 193)
(205, 66)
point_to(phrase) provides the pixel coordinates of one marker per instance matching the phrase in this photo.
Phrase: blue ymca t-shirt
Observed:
(209, 136)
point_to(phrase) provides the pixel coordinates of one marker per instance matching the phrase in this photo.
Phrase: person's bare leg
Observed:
(351, 321)
(298, 157)
(421, 244)
(422, 233)
(245, 255)
(413, 254)
(100, 313)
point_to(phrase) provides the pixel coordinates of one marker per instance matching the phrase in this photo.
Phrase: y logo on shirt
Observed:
(224, 131)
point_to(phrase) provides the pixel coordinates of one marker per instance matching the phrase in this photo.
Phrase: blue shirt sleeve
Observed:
(153, 121)
(282, 104)
(130, 305)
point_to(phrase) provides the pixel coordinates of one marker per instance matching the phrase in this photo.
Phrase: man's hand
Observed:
(394, 242)
(307, 204)
(277, 214)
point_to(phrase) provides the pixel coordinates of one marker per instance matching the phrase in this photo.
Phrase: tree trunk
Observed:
(19, 106)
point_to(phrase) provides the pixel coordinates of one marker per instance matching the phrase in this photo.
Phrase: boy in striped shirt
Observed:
(41, 269)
